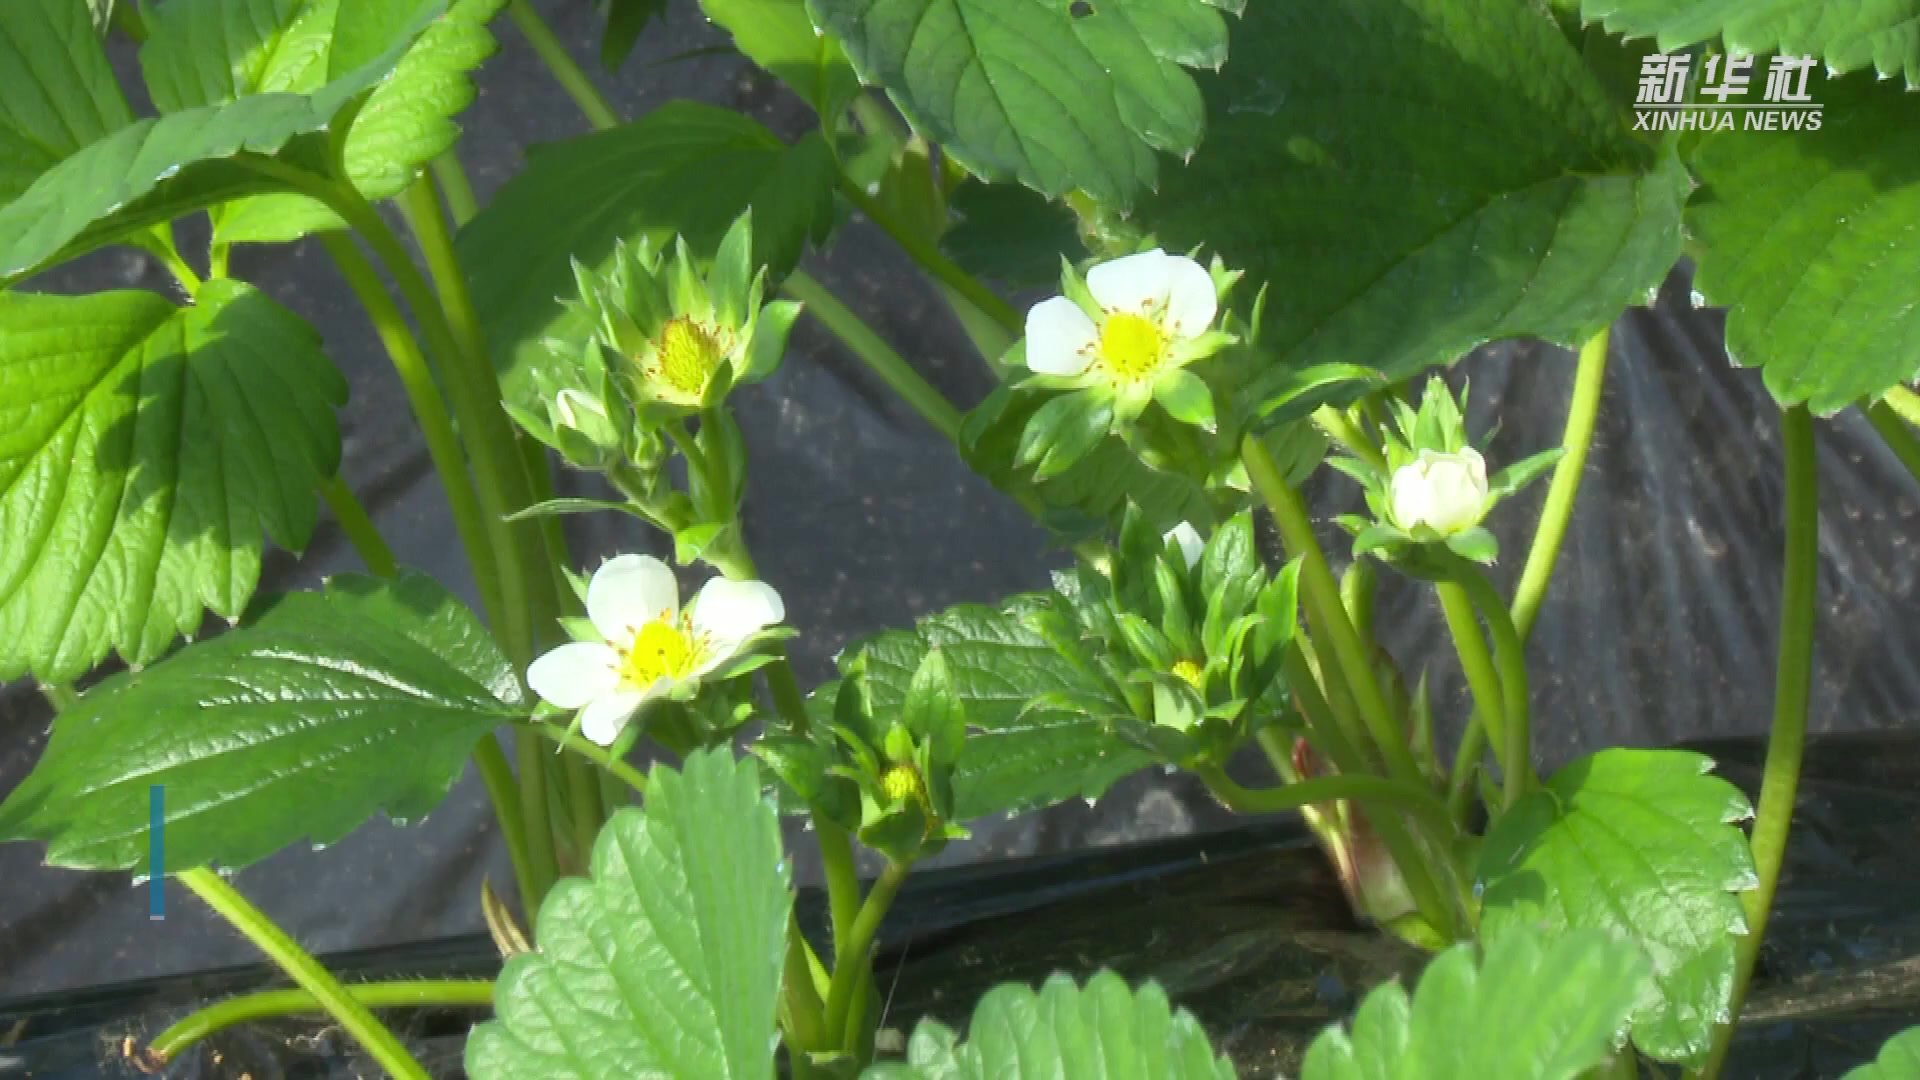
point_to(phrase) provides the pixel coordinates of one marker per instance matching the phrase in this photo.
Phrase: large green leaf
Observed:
(157, 169)
(1642, 844)
(1059, 96)
(683, 168)
(216, 51)
(56, 90)
(1017, 758)
(666, 962)
(779, 36)
(1103, 1031)
(327, 708)
(1793, 232)
(1541, 1008)
(1416, 177)
(1845, 36)
(1899, 1059)
(144, 448)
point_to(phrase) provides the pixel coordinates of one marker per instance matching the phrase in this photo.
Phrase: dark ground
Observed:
(1658, 628)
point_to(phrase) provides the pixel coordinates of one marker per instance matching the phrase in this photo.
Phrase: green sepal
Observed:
(1185, 397)
(1063, 432)
(771, 329)
(1523, 472)
(1476, 544)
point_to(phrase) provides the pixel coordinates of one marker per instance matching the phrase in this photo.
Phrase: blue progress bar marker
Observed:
(156, 853)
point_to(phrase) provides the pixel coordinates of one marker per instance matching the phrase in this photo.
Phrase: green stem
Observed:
(546, 45)
(990, 339)
(426, 217)
(1356, 593)
(497, 775)
(1341, 429)
(429, 411)
(1893, 431)
(1905, 403)
(584, 812)
(358, 528)
(1339, 742)
(158, 242)
(59, 695)
(412, 993)
(945, 270)
(842, 877)
(334, 998)
(1583, 409)
(1793, 680)
(1360, 788)
(1329, 616)
(1466, 758)
(1510, 655)
(852, 956)
(543, 867)
(874, 352)
(806, 1017)
(1476, 662)
(455, 186)
(596, 754)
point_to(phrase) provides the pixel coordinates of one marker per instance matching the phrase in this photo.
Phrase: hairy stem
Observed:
(1893, 431)
(307, 972)
(852, 955)
(875, 353)
(1476, 662)
(548, 47)
(412, 993)
(1793, 681)
(1583, 409)
(497, 775)
(358, 528)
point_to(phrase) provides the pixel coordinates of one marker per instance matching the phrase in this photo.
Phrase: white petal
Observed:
(1407, 495)
(1188, 537)
(1191, 301)
(629, 592)
(1138, 284)
(575, 673)
(725, 613)
(607, 717)
(1060, 337)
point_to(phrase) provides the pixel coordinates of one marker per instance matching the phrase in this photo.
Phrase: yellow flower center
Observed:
(687, 355)
(1190, 672)
(1131, 345)
(903, 782)
(661, 649)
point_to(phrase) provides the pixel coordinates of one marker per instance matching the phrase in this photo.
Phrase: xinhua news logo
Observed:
(1660, 102)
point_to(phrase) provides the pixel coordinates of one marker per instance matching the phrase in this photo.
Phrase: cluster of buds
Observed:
(667, 341)
(1429, 485)
(887, 778)
(1181, 637)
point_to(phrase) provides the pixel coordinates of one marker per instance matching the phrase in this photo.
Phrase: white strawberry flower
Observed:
(1446, 492)
(1151, 306)
(650, 646)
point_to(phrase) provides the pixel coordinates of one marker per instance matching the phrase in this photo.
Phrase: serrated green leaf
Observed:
(1060, 97)
(684, 168)
(1899, 1059)
(144, 449)
(779, 36)
(1011, 234)
(327, 708)
(1846, 37)
(1793, 231)
(1020, 756)
(216, 51)
(1102, 1031)
(666, 962)
(1544, 1008)
(156, 169)
(57, 91)
(1642, 844)
(1337, 172)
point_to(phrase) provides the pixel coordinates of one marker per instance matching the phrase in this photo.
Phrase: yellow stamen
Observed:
(661, 649)
(685, 358)
(903, 782)
(1191, 672)
(1131, 346)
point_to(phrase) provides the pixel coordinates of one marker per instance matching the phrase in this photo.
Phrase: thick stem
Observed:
(457, 189)
(945, 270)
(1509, 654)
(1793, 681)
(852, 956)
(804, 1013)
(1476, 662)
(429, 411)
(1412, 798)
(597, 755)
(497, 775)
(1893, 431)
(1322, 595)
(1582, 410)
(543, 868)
(547, 46)
(413, 993)
(358, 528)
(874, 352)
(327, 992)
